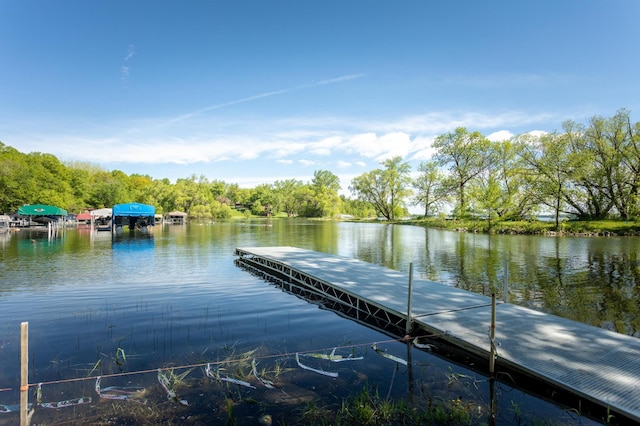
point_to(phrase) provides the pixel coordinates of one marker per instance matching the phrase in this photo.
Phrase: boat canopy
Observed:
(176, 214)
(101, 212)
(41, 210)
(133, 210)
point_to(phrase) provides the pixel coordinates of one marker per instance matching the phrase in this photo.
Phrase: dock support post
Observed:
(25, 416)
(505, 295)
(407, 330)
(492, 337)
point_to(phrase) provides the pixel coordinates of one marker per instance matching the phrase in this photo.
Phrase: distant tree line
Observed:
(38, 178)
(591, 171)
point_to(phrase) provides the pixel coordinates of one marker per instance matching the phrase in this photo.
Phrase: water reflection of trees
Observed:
(591, 280)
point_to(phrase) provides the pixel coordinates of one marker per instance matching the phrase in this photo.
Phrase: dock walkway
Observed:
(596, 364)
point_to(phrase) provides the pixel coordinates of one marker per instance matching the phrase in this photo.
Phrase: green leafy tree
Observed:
(551, 168)
(429, 189)
(611, 166)
(107, 189)
(488, 197)
(287, 194)
(220, 210)
(15, 179)
(514, 200)
(200, 212)
(258, 209)
(324, 200)
(386, 189)
(192, 192)
(237, 195)
(264, 200)
(51, 180)
(139, 186)
(357, 208)
(161, 194)
(466, 155)
(218, 189)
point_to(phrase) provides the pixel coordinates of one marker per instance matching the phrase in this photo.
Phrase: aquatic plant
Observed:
(367, 408)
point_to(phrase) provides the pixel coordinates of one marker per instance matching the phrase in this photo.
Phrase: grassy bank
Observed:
(533, 227)
(608, 227)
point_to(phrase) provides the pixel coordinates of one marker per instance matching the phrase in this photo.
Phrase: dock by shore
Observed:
(598, 365)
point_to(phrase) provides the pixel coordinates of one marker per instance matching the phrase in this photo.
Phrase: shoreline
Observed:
(568, 228)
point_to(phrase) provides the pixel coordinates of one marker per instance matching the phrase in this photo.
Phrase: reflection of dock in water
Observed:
(580, 361)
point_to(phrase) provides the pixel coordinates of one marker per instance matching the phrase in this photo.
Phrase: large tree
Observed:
(15, 182)
(612, 146)
(386, 189)
(429, 187)
(550, 170)
(500, 190)
(466, 155)
(324, 200)
(288, 195)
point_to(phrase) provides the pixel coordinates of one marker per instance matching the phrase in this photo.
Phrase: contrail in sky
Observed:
(265, 95)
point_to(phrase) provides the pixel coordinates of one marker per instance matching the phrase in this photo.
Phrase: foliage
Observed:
(367, 408)
(357, 208)
(429, 189)
(466, 155)
(589, 171)
(386, 189)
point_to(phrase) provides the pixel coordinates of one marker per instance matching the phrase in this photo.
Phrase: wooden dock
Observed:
(598, 365)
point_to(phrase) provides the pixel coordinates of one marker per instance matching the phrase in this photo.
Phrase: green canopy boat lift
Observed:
(35, 211)
(44, 215)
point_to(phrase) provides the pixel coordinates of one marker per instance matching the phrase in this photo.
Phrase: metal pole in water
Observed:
(408, 326)
(492, 337)
(506, 281)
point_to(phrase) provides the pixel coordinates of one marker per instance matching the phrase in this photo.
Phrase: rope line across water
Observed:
(204, 364)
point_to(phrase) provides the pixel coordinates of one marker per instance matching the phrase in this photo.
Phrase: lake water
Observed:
(122, 309)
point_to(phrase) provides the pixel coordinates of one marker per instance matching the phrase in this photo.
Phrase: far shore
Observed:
(584, 228)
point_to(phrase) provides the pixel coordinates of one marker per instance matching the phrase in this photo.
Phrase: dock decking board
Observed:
(597, 364)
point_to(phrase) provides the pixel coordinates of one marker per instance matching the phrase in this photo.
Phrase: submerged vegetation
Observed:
(253, 388)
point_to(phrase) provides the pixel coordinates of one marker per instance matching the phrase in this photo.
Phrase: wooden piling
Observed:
(24, 374)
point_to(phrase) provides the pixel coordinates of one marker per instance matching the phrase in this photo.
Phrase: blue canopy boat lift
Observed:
(134, 216)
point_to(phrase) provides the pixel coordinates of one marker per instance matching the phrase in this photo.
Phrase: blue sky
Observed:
(251, 92)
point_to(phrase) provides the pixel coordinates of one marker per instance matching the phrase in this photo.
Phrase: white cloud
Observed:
(263, 95)
(442, 122)
(422, 148)
(325, 146)
(500, 135)
(360, 143)
(394, 144)
(537, 133)
(343, 141)
(124, 70)
(306, 163)
(131, 51)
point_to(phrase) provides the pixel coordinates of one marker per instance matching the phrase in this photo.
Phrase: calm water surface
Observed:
(175, 298)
